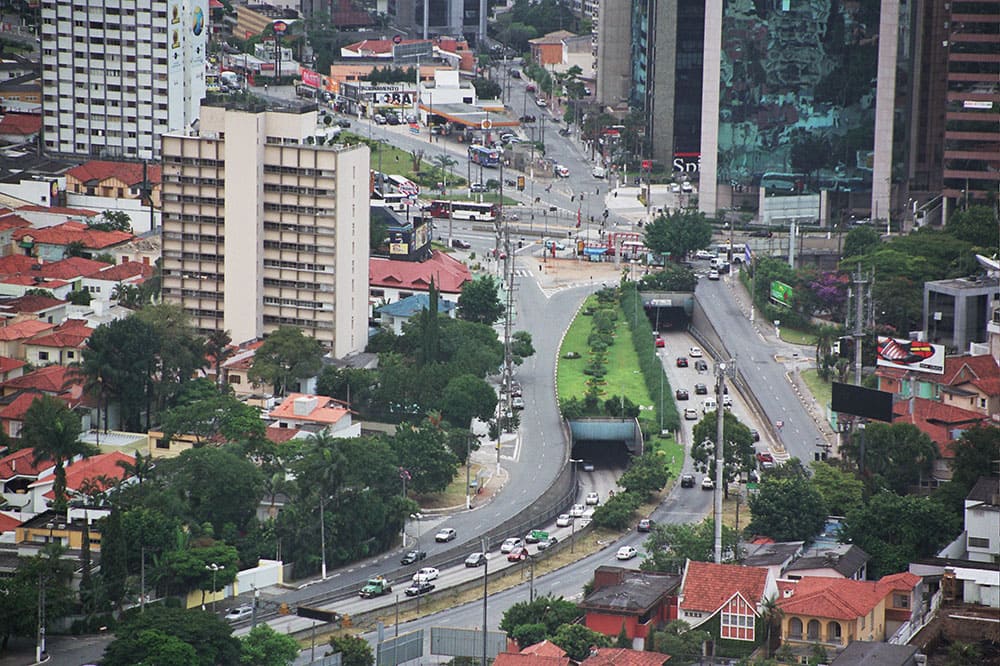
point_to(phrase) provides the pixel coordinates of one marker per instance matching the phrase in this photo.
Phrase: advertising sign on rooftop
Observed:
(910, 355)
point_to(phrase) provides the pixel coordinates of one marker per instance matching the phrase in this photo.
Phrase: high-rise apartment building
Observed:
(264, 225)
(117, 74)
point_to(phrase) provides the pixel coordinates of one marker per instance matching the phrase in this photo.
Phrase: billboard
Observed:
(311, 78)
(781, 293)
(910, 355)
(859, 401)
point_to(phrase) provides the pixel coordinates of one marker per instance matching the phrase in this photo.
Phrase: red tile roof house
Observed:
(11, 368)
(51, 243)
(14, 334)
(9, 223)
(725, 600)
(315, 413)
(60, 277)
(18, 471)
(525, 658)
(390, 280)
(114, 180)
(19, 127)
(624, 657)
(968, 382)
(42, 308)
(943, 424)
(61, 346)
(836, 611)
(639, 600)
(101, 470)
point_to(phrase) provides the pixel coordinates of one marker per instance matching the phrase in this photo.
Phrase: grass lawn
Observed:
(822, 390)
(797, 337)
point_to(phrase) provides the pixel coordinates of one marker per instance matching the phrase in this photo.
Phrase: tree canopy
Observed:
(737, 450)
(670, 545)
(678, 233)
(162, 635)
(286, 355)
(789, 509)
(480, 301)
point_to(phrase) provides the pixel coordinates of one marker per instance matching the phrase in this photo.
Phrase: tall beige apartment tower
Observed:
(264, 225)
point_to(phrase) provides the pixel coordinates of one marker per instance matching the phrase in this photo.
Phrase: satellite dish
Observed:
(990, 264)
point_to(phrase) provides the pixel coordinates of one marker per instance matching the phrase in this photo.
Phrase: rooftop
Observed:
(21, 124)
(21, 463)
(986, 491)
(867, 653)
(72, 232)
(414, 304)
(939, 421)
(768, 554)
(845, 559)
(707, 586)
(637, 592)
(130, 173)
(448, 273)
(305, 407)
(624, 657)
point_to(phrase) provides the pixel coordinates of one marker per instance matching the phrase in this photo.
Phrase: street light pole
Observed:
(322, 537)
(468, 463)
(213, 567)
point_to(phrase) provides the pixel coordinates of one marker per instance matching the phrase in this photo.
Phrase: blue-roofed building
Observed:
(394, 315)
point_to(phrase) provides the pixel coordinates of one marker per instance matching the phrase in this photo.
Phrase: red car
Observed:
(682, 362)
(518, 554)
(765, 459)
(660, 342)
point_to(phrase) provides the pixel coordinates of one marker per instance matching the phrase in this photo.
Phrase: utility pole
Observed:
(486, 578)
(861, 291)
(720, 460)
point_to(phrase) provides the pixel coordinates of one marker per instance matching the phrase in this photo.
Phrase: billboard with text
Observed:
(910, 355)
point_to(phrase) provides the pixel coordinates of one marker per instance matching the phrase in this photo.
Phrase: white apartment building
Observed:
(117, 74)
(262, 228)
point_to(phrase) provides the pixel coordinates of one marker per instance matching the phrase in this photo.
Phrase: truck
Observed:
(375, 587)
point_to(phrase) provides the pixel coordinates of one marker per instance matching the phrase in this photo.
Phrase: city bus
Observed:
(392, 200)
(464, 210)
(487, 157)
(402, 185)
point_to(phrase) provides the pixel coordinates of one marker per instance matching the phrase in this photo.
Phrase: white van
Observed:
(599, 172)
(710, 405)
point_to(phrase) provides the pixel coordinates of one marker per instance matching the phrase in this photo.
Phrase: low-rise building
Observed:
(53, 243)
(638, 600)
(392, 280)
(393, 316)
(315, 413)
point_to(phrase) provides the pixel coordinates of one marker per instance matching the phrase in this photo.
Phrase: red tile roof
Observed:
(327, 410)
(8, 523)
(521, 659)
(10, 221)
(23, 329)
(29, 303)
(68, 268)
(71, 339)
(60, 210)
(448, 273)
(937, 420)
(21, 463)
(957, 369)
(833, 598)
(707, 586)
(900, 582)
(95, 468)
(277, 435)
(625, 657)
(74, 232)
(123, 271)
(129, 173)
(15, 264)
(545, 649)
(18, 407)
(31, 281)
(7, 364)
(22, 124)
(51, 379)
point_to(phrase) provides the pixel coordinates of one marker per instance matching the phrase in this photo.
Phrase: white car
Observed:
(577, 510)
(445, 534)
(564, 520)
(510, 544)
(592, 499)
(704, 254)
(541, 102)
(561, 171)
(690, 414)
(426, 575)
(687, 187)
(239, 613)
(707, 483)
(695, 352)
(727, 401)
(713, 274)
(517, 402)
(626, 553)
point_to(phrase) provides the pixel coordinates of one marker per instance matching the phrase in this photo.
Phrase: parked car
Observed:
(239, 613)
(393, 119)
(681, 394)
(551, 541)
(379, 119)
(626, 553)
(704, 254)
(517, 402)
(687, 187)
(510, 544)
(682, 362)
(518, 554)
(344, 122)
(564, 520)
(477, 187)
(577, 510)
(695, 352)
(426, 574)
(713, 274)
(755, 434)
(592, 499)
(660, 342)
(760, 233)
(475, 560)
(588, 465)
(413, 556)
(690, 414)
(418, 588)
(460, 244)
(700, 389)
(707, 483)
(765, 459)
(645, 525)
(687, 481)
(709, 405)
(445, 534)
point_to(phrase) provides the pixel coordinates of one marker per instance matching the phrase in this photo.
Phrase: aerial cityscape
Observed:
(499, 332)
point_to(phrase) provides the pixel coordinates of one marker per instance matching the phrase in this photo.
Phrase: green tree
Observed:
(618, 511)
(264, 646)
(670, 545)
(529, 634)
(480, 301)
(976, 453)
(465, 397)
(841, 490)
(218, 347)
(680, 641)
(896, 455)
(113, 220)
(976, 225)
(860, 240)
(53, 431)
(206, 412)
(422, 452)
(577, 639)
(286, 355)
(678, 234)
(209, 637)
(787, 510)
(896, 530)
(486, 88)
(354, 650)
(672, 277)
(551, 612)
(521, 346)
(208, 568)
(737, 450)
(646, 474)
(181, 352)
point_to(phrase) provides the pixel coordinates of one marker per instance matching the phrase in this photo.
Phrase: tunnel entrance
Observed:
(668, 311)
(606, 443)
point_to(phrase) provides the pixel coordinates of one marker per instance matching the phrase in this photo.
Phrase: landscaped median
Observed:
(608, 368)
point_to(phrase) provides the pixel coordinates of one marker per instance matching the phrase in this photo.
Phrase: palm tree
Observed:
(141, 469)
(53, 431)
(771, 614)
(218, 345)
(825, 337)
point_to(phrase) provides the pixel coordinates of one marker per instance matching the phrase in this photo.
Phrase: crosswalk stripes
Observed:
(522, 272)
